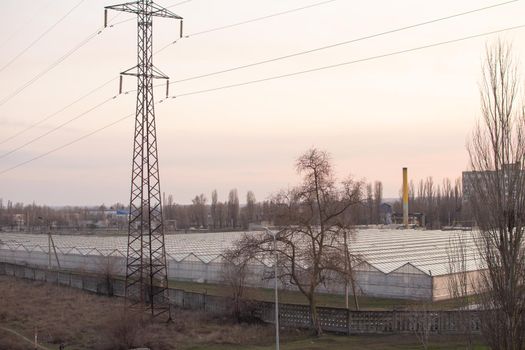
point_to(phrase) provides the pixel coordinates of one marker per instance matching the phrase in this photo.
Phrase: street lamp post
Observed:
(274, 235)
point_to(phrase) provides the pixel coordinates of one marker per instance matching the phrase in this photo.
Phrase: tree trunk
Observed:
(355, 296)
(314, 316)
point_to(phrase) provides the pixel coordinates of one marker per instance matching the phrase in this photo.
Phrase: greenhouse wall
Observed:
(404, 283)
(443, 284)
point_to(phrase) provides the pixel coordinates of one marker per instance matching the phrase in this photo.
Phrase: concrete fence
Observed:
(290, 315)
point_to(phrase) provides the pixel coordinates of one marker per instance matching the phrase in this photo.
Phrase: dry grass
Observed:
(12, 342)
(82, 320)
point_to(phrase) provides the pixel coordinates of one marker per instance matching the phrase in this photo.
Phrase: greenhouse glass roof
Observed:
(385, 250)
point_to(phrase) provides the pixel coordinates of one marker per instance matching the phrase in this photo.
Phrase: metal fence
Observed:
(290, 315)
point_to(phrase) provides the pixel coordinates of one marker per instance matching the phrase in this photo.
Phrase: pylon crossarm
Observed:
(156, 73)
(159, 74)
(131, 7)
(160, 11)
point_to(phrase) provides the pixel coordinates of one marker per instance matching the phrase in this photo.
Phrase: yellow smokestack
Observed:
(405, 197)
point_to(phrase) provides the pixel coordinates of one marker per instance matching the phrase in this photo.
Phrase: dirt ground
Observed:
(80, 320)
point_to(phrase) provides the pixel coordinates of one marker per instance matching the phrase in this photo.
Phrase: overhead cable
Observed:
(25, 24)
(39, 122)
(91, 36)
(69, 121)
(134, 18)
(346, 42)
(272, 78)
(55, 64)
(178, 3)
(67, 144)
(245, 22)
(34, 42)
(260, 18)
(49, 68)
(350, 62)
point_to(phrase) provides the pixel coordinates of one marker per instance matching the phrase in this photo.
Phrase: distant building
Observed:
(385, 214)
(469, 179)
(414, 219)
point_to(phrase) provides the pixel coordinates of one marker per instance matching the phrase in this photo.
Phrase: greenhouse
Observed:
(408, 264)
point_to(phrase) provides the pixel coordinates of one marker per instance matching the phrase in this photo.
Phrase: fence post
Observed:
(396, 321)
(347, 321)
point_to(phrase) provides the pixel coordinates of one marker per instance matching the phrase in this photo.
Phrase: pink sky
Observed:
(414, 110)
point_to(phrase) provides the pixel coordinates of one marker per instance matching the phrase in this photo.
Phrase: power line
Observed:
(260, 18)
(40, 36)
(271, 78)
(24, 25)
(91, 36)
(245, 22)
(54, 64)
(67, 144)
(178, 3)
(349, 62)
(287, 56)
(42, 73)
(69, 121)
(134, 19)
(346, 42)
(57, 112)
(46, 70)
(49, 68)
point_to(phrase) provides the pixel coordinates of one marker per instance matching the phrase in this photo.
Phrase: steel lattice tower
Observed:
(146, 270)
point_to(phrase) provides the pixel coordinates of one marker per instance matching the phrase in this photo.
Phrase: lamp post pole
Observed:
(274, 235)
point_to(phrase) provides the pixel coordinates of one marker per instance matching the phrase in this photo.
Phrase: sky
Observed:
(415, 109)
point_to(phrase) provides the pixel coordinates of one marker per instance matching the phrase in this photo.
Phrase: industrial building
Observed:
(472, 180)
(408, 264)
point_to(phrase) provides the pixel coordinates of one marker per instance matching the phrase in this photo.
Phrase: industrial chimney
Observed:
(405, 197)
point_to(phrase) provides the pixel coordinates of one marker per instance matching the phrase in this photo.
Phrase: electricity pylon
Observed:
(146, 270)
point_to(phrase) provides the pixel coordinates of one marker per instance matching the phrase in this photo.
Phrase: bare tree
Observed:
(235, 269)
(496, 151)
(233, 208)
(369, 204)
(344, 263)
(250, 206)
(108, 269)
(459, 283)
(422, 320)
(214, 211)
(378, 198)
(199, 212)
(314, 225)
(222, 214)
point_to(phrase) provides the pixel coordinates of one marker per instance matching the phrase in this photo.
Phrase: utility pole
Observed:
(146, 270)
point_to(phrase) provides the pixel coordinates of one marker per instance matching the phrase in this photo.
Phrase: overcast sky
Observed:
(414, 109)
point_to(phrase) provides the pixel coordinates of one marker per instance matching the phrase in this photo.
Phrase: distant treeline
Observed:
(441, 204)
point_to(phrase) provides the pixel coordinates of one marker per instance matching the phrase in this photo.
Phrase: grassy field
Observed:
(294, 297)
(81, 320)
(376, 342)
